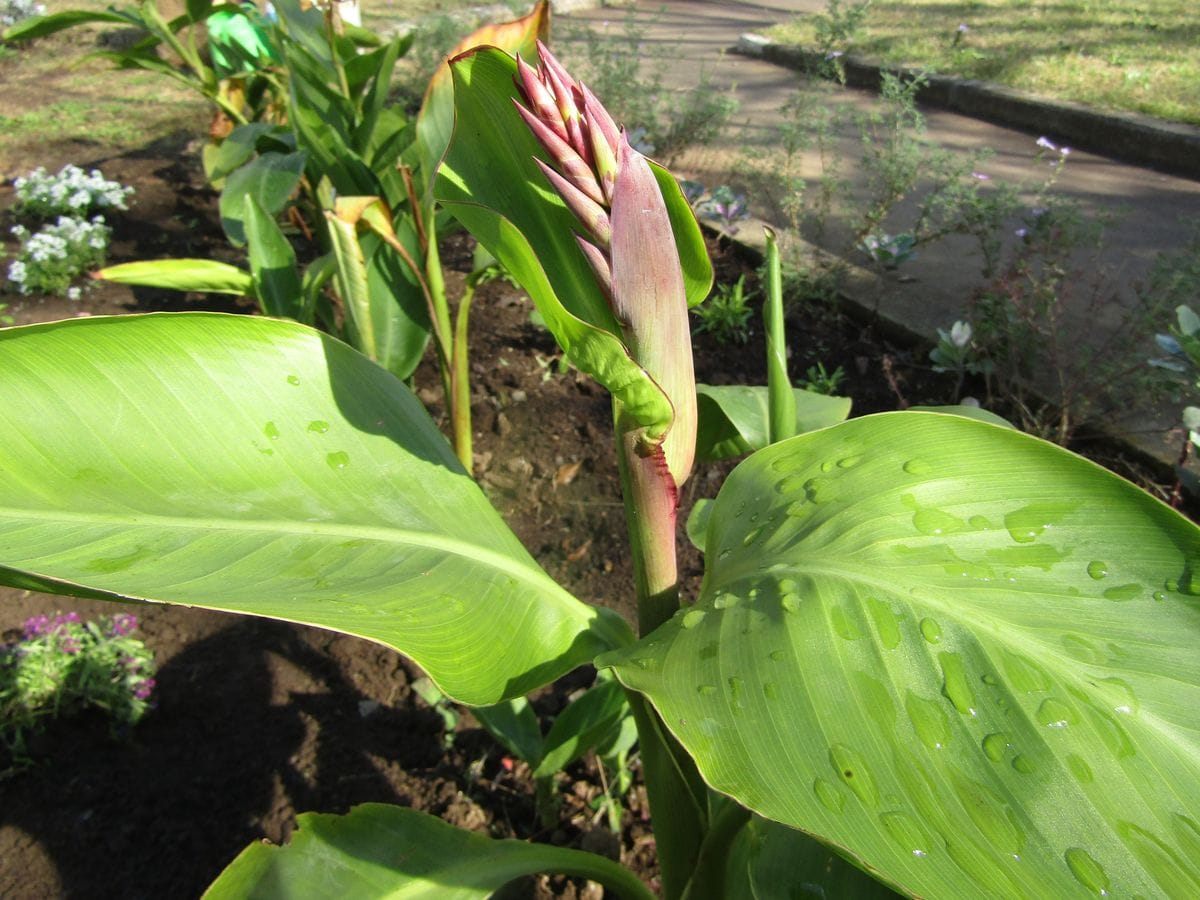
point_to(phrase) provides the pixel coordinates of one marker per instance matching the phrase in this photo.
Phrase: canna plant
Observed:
(930, 655)
(352, 171)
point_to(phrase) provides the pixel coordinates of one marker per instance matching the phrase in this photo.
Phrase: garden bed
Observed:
(258, 720)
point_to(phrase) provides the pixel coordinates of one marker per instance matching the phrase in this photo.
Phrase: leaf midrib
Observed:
(528, 573)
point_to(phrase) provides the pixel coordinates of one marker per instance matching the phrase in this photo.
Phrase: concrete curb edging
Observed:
(1167, 146)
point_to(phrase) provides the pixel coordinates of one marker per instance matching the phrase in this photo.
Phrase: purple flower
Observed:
(70, 645)
(35, 626)
(143, 690)
(980, 176)
(123, 624)
(1045, 143)
(963, 28)
(1021, 232)
(1064, 151)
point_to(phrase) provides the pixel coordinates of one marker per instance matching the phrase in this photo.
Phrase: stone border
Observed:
(1142, 140)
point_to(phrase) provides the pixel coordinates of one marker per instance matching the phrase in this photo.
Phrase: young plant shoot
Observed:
(930, 655)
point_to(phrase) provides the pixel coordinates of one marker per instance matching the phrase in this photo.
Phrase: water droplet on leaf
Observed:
(995, 746)
(1055, 714)
(886, 625)
(905, 831)
(1080, 769)
(931, 631)
(692, 618)
(1097, 569)
(338, 459)
(1123, 592)
(831, 798)
(929, 720)
(1087, 871)
(851, 769)
(954, 684)
(317, 426)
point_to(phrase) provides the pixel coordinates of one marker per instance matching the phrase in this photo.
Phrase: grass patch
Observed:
(54, 95)
(1128, 55)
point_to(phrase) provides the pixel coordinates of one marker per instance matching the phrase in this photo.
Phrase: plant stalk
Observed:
(459, 400)
(650, 499)
(673, 786)
(781, 402)
(708, 880)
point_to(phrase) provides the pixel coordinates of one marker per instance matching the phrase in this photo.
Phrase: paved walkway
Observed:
(1156, 210)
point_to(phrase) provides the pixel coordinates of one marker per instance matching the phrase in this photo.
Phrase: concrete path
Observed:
(1155, 210)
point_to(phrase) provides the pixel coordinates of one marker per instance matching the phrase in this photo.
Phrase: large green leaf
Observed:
(379, 850)
(256, 466)
(489, 182)
(962, 655)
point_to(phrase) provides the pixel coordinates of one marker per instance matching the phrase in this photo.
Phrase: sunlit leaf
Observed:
(378, 850)
(962, 655)
(204, 275)
(734, 418)
(256, 466)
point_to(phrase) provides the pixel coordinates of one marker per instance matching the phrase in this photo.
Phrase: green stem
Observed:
(460, 383)
(708, 880)
(781, 402)
(673, 786)
(650, 498)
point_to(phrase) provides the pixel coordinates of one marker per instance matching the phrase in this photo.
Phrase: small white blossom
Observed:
(960, 334)
(70, 191)
(1046, 144)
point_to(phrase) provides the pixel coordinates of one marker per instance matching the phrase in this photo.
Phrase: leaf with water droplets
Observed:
(358, 519)
(928, 665)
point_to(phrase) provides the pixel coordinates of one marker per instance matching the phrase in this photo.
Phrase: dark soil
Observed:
(258, 720)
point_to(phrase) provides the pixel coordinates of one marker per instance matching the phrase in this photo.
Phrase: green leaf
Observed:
(583, 725)
(256, 466)
(379, 850)
(435, 120)
(237, 149)
(957, 653)
(205, 275)
(697, 522)
(484, 181)
(385, 312)
(43, 26)
(270, 179)
(767, 861)
(970, 412)
(273, 262)
(514, 724)
(734, 418)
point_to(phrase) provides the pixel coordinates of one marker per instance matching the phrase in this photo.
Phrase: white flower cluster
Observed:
(14, 11)
(71, 192)
(50, 257)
